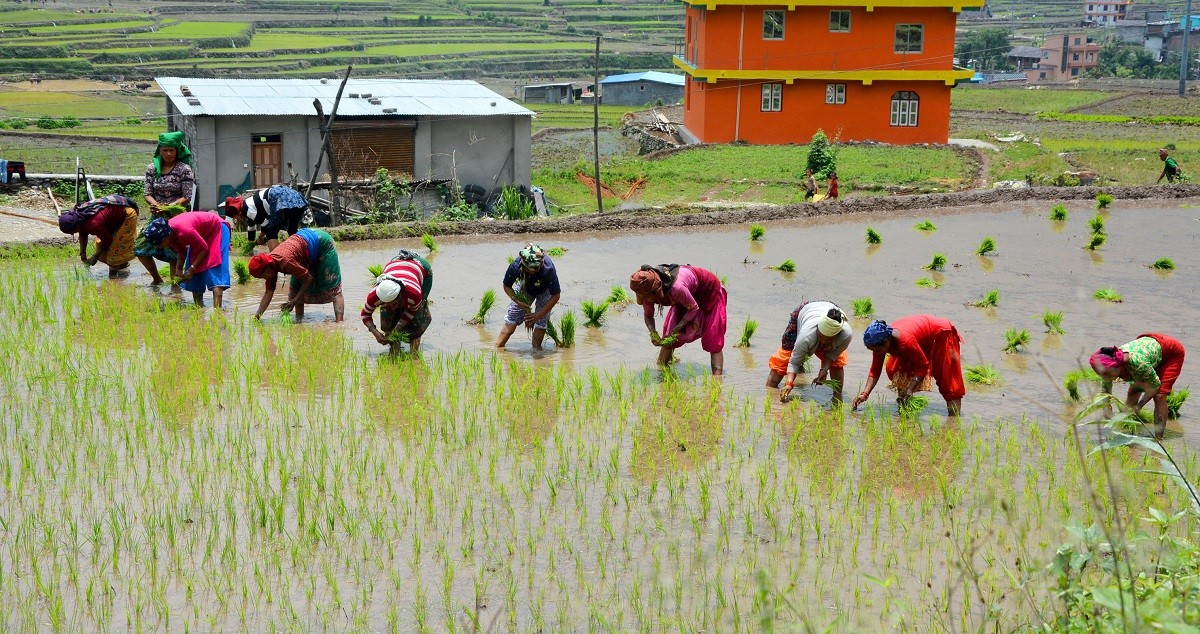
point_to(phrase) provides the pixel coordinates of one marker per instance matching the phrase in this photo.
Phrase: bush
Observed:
(46, 122)
(821, 158)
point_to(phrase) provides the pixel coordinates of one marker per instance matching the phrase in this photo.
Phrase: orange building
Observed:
(876, 70)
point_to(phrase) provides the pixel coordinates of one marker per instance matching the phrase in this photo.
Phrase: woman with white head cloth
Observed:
(402, 292)
(819, 329)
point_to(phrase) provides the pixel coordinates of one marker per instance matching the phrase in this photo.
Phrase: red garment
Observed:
(929, 346)
(697, 293)
(412, 276)
(291, 257)
(199, 230)
(1172, 361)
(104, 224)
(833, 188)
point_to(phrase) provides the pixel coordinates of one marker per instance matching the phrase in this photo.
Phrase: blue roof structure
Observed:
(650, 75)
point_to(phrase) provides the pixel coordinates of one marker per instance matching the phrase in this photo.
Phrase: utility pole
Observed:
(1185, 53)
(596, 126)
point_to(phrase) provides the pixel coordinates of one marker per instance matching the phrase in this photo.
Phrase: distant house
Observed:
(1104, 12)
(1130, 31)
(640, 89)
(560, 93)
(1024, 57)
(1066, 56)
(243, 133)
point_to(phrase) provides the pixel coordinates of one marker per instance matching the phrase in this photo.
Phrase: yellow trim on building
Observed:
(955, 5)
(867, 77)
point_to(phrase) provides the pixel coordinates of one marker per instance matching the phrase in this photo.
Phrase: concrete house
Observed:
(561, 93)
(1066, 56)
(244, 133)
(640, 89)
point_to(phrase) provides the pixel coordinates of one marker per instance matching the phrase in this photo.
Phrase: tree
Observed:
(821, 158)
(988, 47)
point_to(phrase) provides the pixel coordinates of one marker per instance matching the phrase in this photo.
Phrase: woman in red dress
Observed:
(918, 348)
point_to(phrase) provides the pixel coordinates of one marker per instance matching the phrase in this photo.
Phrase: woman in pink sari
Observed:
(696, 298)
(201, 241)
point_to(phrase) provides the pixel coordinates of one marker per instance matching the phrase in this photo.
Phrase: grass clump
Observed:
(485, 304)
(757, 232)
(786, 266)
(938, 263)
(1095, 242)
(242, 270)
(925, 282)
(987, 246)
(1071, 381)
(991, 299)
(1175, 400)
(1107, 295)
(594, 313)
(982, 374)
(1015, 339)
(618, 295)
(1096, 224)
(1103, 200)
(1058, 212)
(863, 306)
(429, 243)
(748, 330)
(873, 236)
(556, 251)
(925, 225)
(1052, 320)
(1163, 264)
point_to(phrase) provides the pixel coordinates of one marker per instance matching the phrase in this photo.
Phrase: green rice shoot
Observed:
(987, 246)
(925, 225)
(1095, 242)
(786, 266)
(1107, 294)
(566, 328)
(556, 251)
(1059, 213)
(374, 271)
(619, 296)
(593, 312)
(862, 306)
(1096, 225)
(982, 374)
(429, 243)
(1052, 320)
(938, 263)
(485, 304)
(1103, 200)
(241, 270)
(1163, 264)
(873, 236)
(749, 327)
(1175, 401)
(991, 299)
(757, 232)
(1015, 339)
(926, 282)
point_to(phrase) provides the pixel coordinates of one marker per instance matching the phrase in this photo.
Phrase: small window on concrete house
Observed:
(1076, 41)
(1045, 54)
(835, 93)
(772, 97)
(642, 87)
(909, 38)
(1041, 75)
(1074, 72)
(904, 109)
(772, 25)
(839, 21)
(1074, 57)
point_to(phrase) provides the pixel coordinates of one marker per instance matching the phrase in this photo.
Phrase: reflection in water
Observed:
(756, 248)
(985, 263)
(679, 427)
(872, 249)
(1095, 257)
(1058, 226)
(747, 358)
(1016, 361)
(901, 456)
(1052, 341)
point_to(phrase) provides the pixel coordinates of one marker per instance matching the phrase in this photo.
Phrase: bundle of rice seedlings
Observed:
(748, 330)
(1096, 224)
(1071, 381)
(863, 306)
(757, 232)
(594, 312)
(1163, 264)
(485, 304)
(429, 242)
(787, 266)
(873, 236)
(981, 374)
(1103, 200)
(619, 295)
(566, 327)
(1175, 400)
(556, 251)
(242, 271)
(987, 246)
(991, 299)
(925, 225)
(1052, 320)
(374, 270)
(1095, 241)
(1059, 212)
(938, 263)
(1107, 295)
(925, 282)
(1015, 339)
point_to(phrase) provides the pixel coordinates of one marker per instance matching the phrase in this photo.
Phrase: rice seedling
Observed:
(925, 225)
(749, 327)
(1095, 242)
(1175, 401)
(618, 295)
(1015, 339)
(374, 271)
(937, 264)
(913, 406)
(982, 374)
(1107, 295)
(757, 232)
(1103, 200)
(566, 327)
(1059, 213)
(1163, 264)
(925, 282)
(873, 236)
(556, 251)
(990, 299)
(429, 243)
(1071, 381)
(241, 271)
(593, 312)
(1096, 224)
(987, 246)
(863, 306)
(1052, 320)
(786, 266)
(485, 304)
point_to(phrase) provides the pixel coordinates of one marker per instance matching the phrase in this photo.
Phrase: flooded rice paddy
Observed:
(168, 468)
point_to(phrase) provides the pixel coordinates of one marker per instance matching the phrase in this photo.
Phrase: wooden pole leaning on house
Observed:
(596, 127)
(326, 130)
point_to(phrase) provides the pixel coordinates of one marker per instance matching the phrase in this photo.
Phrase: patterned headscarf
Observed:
(175, 140)
(647, 285)
(877, 333)
(1107, 360)
(157, 231)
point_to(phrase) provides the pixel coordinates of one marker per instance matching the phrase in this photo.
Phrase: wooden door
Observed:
(267, 161)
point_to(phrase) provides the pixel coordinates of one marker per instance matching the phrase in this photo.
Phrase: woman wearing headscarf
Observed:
(401, 293)
(200, 241)
(918, 348)
(816, 328)
(1150, 364)
(531, 281)
(168, 186)
(269, 211)
(311, 260)
(113, 221)
(696, 298)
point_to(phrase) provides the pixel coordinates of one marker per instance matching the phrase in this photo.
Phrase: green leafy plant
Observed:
(242, 271)
(513, 205)
(1175, 401)
(1015, 339)
(1058, 212)
(374, 270)
(822, 159)
(757, 232)
(987, 246)
(669, 340)
(1096, 224)
(925, 225)
(1052, 320)
(556, 251)
(1071, 381)
(566, 327)
(485, 304)
(873, 236)
(863, 306)
(619, 295)
(991, 299)
(982, 374)
(1107, 295)
(1103, 200)
(925, 282)
(429, 243)
(938, 263)
(748, 329)
(1163, 264)
(914, 405)
(1095, 242)
(787, 266)
(593, 312)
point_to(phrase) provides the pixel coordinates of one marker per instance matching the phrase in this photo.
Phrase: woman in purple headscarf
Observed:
(1151, 364)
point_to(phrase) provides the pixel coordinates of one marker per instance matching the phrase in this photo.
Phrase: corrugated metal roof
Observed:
(289, 97)
(650, 75)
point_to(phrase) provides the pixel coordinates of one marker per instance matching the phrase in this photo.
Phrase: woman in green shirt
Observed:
(1150, 364)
